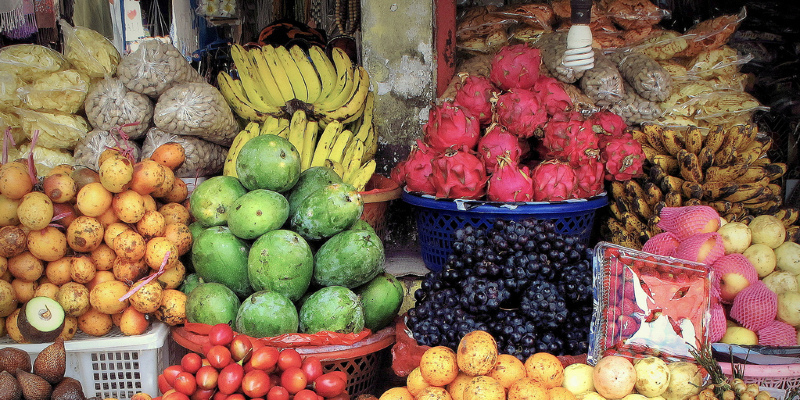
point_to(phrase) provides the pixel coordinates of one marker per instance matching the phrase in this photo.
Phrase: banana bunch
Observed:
(330, 89)
(347, 149)
(724, 168)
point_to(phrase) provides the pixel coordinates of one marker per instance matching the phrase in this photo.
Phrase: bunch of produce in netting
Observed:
(523, 282)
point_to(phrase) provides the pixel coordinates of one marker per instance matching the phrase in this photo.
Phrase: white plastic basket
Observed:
(115, 365)
(778, 380)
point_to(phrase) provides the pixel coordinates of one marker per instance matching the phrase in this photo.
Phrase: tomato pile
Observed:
(236, 368)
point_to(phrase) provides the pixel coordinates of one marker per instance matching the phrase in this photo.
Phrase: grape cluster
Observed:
(523, 282)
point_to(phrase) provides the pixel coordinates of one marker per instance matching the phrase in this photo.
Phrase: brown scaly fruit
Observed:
(12, 359)
(51, 363)
(68, 389)
(34, 387)
(9, 387)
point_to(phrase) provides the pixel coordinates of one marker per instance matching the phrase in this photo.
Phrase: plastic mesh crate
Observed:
(115, 365)
(776, 379)
(438, 219)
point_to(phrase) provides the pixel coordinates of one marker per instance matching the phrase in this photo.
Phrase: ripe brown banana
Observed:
(752, 174)
(667, 162)
(692, 202)
(690, 167)
(722, 207)
(793, 234)
(788, 215)
(750, 153)
(649, 152)
(618, 190)
(672, 141)
(642, 209)
(654, 134)
(639, 136)
(745, 192)
(652, 226)
(775, 170)
(766, 143)
(715, 138)
(776, 190)
(616, 212)
(673, 199)
(658, 207)
(749, 133)
(693, 140)
(672, 184)
(745, 218)
(725, 174)
(760, 162)
(652, 193)
(705, 158)
(631, 186)
(692, 190)
(725, 156)
(657, 174)
(717, 190)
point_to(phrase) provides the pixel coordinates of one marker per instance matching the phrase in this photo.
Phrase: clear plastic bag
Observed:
(712, 34)
(111, 105)
(645, 75)
(9, 83)
(635, 109)
(648, 305)
(196, 109)
(202, 158)
(153, 68)
(44, 158)
(8, 119)
(63, 91)
(88, 150)
(723, 61)
(56, 131)
(552, 47)
(88, 51)
(482, 31)
(634, 14)
(663, 45)
(30, 61)
(603, 83)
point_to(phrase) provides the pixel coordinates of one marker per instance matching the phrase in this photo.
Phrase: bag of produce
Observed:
(88, 149)
(63, 91)
(634, 14)
(10, 120)
(56, 130)
(603, 83)
(30, 61)
(89, 51)
(44, 158)
(711, 34)
(9, 83)
(111, 105)
(202, 158)
(154, 67)
(196, 109)
(645, 75)
(663, 45)
(724, 61)
(636, 109)
(552, 47)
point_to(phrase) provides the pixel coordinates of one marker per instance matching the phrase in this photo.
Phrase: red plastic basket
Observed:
(377, 194)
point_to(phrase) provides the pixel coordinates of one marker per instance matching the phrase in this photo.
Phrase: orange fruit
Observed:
(545, 368)
(438, 366)
(508, 370)
(415, 383)
(528, 389)
(397, 393)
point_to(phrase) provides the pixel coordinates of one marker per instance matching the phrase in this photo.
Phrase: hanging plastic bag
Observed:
(196, 109)
(110, 104)
(203, 158)
(89, 51)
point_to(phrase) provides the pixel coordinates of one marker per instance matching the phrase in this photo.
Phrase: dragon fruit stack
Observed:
(478, 145)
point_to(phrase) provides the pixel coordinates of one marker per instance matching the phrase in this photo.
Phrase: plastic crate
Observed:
(776, 379)
(377, 194)
(115, 365)
(438, 219)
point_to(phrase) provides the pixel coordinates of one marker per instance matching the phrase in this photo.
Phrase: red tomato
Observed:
(205, 361)
(241, 348)
(305, 394)
(264, 358)
(185, 383)
(191, 362)
(220, 334)
(175, 396)
(340, 374)
(236, 396)
(219, 357)
(278, 393)
(219, 396)
(294, 379)
(312, 367)
(341, 396)
(171, 372)
(289, 358)
(203, 394)
(206, 377)
(329, 385)
(230, 378)
(163, 386)
(274, 379)
(256, 383)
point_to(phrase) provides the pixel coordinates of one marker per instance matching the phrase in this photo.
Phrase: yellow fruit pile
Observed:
(86, 238)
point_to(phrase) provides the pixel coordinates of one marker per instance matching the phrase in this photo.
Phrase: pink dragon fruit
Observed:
(607, 123)
(521, 112)
(555, 99)
(458, 174)
(509, 182)
(498, 142)
(516, 67)
(553, 180)
(475, 94)
(416, 169)
(450, 125)
(589, 177)
(568, 137)
(623, 158)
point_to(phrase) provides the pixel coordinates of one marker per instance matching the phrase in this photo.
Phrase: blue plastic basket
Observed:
(438, 219)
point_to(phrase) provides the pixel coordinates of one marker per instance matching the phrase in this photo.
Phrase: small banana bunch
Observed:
(270, 77)
(348, 149)
(724, 168)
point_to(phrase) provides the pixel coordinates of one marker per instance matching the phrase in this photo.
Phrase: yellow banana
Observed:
(293, 73)
(371, 143)
(335, 166)
(352, 107)
(345, 83)
(268, 126)
(297, 128)
(325, 69)
(233, 93)
(693, 139)
(278, 72)
(265, 76)
(715, 137)
(250, 83)
(310, 76)
(337, 151)
(309, 140)
(229, 167)
(655, 137)
(360, 178)
(352, 160)
(325, 144)
(366, 118)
